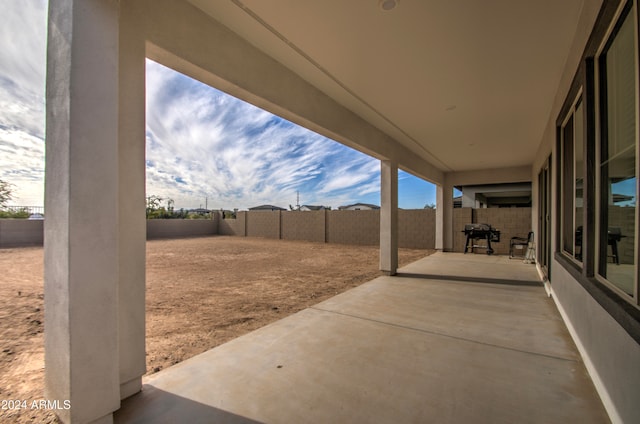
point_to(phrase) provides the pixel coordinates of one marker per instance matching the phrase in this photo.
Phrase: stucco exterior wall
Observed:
(610, 354)
(607, 348)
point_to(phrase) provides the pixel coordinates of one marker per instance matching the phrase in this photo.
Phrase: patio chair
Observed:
(520, 243)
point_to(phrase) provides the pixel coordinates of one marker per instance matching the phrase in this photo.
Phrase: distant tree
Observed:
(153, 205)
(22, 213)
(6, 193)
(430, 206)
(153, 201)
(229, 214)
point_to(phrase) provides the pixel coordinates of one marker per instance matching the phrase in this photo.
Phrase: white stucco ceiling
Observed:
(465, 84)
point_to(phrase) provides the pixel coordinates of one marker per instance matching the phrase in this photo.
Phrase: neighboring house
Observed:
(267, 208)
(200, 211)
(314, 208)
(359, 207)
(495, 195)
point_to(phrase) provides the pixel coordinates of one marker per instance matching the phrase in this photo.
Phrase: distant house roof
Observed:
(356, 206)
(267, 208)
(313, 208)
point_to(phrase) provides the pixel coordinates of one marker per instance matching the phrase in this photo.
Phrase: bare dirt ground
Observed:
(201, 292)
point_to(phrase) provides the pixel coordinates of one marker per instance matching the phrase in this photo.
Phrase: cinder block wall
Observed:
(353, 227)
(175, 228)
(24, 232)
(417, 228)
(461, 217)
(512, 222)
(233, 227)
(307, 225)
(625, 217)
(21, 232)
(263, 224)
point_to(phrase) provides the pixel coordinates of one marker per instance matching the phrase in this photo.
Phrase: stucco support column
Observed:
(131, 202)
(81, 200)
(444, 216)
(389, 217)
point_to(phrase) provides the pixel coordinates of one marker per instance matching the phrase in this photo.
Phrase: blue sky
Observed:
(203, 146)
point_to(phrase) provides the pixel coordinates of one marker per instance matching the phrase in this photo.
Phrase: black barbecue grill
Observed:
(476, 232)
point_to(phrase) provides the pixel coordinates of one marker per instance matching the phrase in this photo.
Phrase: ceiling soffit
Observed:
(463, 84)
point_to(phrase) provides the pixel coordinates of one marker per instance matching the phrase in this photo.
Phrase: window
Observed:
(617, 187)
(544, 217)
(572, 145)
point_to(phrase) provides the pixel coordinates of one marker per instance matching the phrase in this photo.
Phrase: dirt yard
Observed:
(201, 292)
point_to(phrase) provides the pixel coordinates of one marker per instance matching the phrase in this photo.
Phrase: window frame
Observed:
(566, 191)
(626, 9)
(622, 309)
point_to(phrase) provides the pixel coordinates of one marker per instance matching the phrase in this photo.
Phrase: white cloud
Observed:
(203, 144)
(22, 70)
(22, 43)
(22, 164)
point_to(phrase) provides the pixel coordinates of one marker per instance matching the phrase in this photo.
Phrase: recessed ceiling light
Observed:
(387, 5)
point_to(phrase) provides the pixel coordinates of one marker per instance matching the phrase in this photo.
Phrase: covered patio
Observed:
(450, 338)
(456, 93)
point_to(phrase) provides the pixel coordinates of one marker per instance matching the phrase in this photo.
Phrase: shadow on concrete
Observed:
(468, 279)
(428, 345)
(153, 405)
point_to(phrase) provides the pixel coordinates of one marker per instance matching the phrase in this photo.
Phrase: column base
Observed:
(130, 388)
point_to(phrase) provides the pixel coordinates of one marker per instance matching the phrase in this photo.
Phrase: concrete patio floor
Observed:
(452, 338)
